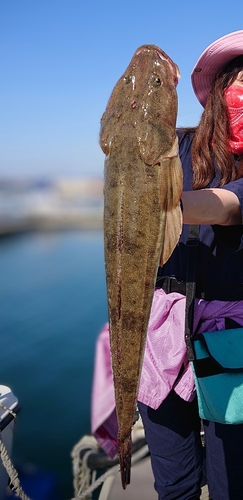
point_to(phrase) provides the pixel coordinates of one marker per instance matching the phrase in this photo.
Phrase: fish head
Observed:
(144, 105)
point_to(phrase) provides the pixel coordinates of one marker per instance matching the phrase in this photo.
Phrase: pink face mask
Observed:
(234, 99)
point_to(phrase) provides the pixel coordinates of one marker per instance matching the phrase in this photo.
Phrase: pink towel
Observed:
(165, 353)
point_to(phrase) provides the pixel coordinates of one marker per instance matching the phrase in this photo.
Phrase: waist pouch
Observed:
(218, 373)
(216, 358)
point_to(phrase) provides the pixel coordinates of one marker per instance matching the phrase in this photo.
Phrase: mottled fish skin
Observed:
(142, 217)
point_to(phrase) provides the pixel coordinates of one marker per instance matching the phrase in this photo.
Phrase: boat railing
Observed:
(99, 460)
(93, 469)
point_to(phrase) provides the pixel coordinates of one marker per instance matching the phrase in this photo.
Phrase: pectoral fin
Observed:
(173, 229)
(171, 190)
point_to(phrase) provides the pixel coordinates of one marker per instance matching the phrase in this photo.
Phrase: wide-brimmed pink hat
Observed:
(212, 60)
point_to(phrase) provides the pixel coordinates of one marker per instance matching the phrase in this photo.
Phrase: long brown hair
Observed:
(211, 137)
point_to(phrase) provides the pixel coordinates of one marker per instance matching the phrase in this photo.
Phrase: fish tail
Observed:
(125, 454)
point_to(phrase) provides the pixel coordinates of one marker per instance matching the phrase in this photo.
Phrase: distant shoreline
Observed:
(27, 205)
(34, 224)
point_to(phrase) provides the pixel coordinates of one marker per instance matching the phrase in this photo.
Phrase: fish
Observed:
(142, 216)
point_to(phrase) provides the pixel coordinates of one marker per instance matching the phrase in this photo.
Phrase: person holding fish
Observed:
(153, 192)
(212, 160)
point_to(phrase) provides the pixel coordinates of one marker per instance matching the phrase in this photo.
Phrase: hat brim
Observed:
(212, 60)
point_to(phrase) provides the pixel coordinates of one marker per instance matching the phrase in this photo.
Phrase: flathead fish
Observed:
(142, 216)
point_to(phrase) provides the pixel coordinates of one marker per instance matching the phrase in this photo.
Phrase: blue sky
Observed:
(60, 59)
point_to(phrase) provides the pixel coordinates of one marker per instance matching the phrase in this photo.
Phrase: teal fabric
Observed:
(220, 396)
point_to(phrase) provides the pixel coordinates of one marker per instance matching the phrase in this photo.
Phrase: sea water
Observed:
(52, 307)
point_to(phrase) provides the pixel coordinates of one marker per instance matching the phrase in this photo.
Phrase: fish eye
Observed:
(127, 79)
(156, 81)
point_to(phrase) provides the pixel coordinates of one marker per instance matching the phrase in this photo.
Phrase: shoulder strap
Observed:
(192, 248)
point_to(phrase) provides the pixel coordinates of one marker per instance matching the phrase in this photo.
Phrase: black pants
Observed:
(173, 436)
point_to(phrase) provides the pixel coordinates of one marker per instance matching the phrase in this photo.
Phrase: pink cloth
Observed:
(165, 353)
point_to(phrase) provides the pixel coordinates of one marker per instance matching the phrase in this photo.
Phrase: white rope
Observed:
(85, 478)
(81, 471)
(12, 473)
(6, 461)
(98, 482)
